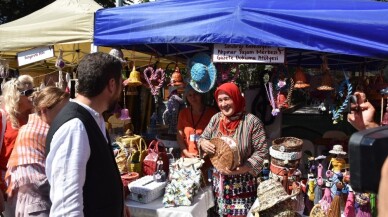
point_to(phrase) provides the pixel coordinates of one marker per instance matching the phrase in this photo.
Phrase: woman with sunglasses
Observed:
(28, 188)
(17, 105)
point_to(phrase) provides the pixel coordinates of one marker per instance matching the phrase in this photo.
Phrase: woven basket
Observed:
(287, 144)
(291, 163)
(128, 178)
(226, 153)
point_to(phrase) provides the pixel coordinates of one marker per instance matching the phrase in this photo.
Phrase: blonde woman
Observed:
(28, 188)
(17, 105)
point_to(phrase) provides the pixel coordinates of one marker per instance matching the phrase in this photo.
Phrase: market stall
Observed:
(329, 36)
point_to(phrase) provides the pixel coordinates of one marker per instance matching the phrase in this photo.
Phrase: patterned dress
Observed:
(235, 194)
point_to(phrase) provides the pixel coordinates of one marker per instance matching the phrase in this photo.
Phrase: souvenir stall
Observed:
(305, 53)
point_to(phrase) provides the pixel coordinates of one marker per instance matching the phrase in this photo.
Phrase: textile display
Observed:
(185, 180)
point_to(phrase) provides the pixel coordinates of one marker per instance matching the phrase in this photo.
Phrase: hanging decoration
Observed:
(170, 115)
(155, 79)
(327, 80)
(60, 64)
(176, 78)
(337, 114)
(300, 79)
(269, 91)
(4, 71)
(224, 75)
(124, 112)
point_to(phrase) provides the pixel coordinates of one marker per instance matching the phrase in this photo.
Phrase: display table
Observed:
(201, 203)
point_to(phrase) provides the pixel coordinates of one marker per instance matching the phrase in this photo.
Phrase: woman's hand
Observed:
(362, 113)
(239, 170)
(207, 146)
(187, 154)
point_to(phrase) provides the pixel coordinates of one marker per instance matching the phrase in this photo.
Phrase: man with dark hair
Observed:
(80, 165)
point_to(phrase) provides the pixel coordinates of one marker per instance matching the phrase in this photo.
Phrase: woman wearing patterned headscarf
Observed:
(235, 190)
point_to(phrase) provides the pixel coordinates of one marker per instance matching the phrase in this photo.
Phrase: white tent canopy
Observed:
(67, 25)
(63, 21)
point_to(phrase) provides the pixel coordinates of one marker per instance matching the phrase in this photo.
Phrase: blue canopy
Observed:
(171, 27)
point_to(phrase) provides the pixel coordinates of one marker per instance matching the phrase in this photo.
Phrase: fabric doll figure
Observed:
(319, 181)
(265, 171)
(170, 115)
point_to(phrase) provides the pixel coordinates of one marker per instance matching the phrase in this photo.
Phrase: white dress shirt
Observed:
(66, 165)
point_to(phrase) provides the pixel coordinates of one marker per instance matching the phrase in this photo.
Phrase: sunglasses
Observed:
(27, 92)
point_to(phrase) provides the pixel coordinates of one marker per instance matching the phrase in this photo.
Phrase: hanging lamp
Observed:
(300, 79)
(327, 80)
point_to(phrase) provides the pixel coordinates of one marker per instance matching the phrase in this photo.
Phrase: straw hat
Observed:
(203, 73)
(226, 154)
(317, 211)
(274, 200)
(134, 79)
(337, 149)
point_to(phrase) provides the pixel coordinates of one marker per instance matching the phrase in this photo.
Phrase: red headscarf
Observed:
(231, 123)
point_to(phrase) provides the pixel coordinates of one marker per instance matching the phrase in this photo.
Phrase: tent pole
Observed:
(119, 3)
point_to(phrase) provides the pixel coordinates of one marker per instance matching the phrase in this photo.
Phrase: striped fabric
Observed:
(250, 137)
(27, 161)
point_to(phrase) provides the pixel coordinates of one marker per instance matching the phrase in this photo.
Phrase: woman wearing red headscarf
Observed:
(235, 190)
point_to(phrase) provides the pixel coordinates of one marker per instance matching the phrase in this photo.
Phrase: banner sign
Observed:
(234, 53)
(35, 55)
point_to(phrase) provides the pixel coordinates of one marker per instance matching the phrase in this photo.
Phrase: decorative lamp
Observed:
(327, 82)
(300, 79)
(134, 79)
(124, 112)
(176, 78)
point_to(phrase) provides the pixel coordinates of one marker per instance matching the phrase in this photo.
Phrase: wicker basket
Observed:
(128, 178)
(145, 189)
(226, 153)
(281, 163)
(287, 144)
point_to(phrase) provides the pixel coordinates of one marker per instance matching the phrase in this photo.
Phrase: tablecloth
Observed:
(201, 203)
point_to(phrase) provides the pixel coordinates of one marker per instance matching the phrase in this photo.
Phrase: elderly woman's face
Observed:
(226, 104)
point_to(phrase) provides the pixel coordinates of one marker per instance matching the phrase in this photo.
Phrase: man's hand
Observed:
(362, 113)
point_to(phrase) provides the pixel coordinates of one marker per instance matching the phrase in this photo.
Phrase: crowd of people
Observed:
(56, 157)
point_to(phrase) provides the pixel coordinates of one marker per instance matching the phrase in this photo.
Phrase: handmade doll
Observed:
(336, 165)
(319, 181)
(170, 115)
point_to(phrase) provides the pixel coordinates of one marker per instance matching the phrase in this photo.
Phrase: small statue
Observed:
(265, 171)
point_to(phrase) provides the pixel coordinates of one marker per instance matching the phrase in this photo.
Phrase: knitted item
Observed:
(350, 210)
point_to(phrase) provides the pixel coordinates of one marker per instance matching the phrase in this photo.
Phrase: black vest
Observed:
(103, 189)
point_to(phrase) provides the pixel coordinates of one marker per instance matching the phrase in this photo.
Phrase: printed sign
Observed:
(234, 53)
(35, 55)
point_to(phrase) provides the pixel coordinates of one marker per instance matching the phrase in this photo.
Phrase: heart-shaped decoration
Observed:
(155, 79)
